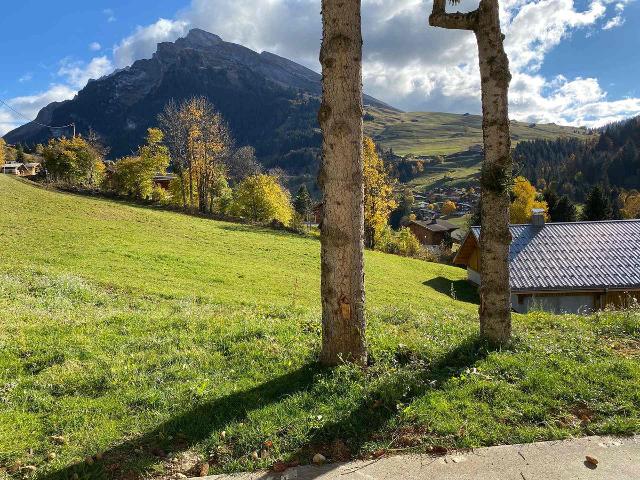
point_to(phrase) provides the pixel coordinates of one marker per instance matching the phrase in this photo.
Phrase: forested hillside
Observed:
(574, 166)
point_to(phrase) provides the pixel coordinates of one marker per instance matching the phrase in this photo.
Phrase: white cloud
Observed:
(27, 77)
(30, 105)
(406, 62)
(79, 73)
(95, 46)
(109, 14)
(614, 22)
(143, 42)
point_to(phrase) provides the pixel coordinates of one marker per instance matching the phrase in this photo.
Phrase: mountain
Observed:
(269, 102)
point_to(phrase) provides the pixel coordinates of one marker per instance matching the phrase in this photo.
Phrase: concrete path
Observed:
(618, 459)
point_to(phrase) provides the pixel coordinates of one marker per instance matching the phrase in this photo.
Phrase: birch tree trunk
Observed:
(495, 238)
(341, 178)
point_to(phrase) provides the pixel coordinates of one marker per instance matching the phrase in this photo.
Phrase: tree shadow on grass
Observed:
(130, 458)
(461, 290)
(362, 424)
(376, 410)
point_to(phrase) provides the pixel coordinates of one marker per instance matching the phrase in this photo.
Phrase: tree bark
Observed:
(341, 178)
(495, 238)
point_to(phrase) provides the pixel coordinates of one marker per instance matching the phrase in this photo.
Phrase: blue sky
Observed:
(573, 62)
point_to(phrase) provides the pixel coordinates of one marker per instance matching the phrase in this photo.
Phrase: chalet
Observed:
(163, 180)
(432, 232)
(20, 169)
(573, 267)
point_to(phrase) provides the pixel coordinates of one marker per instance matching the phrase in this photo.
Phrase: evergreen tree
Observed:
(20, 158)
(302, 202)
(565, 211)
(598, 206)
(404, 209)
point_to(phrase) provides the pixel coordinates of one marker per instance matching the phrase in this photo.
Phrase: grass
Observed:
(430, 133)
(150, 341)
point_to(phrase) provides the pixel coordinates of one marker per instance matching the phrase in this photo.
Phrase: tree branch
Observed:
(455, 21)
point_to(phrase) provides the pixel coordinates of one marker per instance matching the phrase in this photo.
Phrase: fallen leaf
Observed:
(591, 460)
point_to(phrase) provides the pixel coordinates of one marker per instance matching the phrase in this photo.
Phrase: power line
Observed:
(34, 121)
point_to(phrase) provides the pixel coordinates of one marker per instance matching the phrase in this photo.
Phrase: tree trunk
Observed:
(495, 238)
(341, 178)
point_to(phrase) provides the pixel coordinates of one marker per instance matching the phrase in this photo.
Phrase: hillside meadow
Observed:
(140, 343)
(436, 133)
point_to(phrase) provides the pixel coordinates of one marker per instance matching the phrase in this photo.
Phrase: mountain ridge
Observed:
(270, 102)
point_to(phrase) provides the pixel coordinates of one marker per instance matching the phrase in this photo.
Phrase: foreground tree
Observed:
(495, 294)
(342, 236)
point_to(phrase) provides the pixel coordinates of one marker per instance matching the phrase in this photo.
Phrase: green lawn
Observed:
(150, 340)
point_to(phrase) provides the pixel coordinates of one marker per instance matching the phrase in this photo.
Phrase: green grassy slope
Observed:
(135, 343)
(429, 133)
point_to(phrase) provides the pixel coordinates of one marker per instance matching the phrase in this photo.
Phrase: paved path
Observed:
(618, 459)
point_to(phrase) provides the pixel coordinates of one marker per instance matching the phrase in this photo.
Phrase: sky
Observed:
(572, 62)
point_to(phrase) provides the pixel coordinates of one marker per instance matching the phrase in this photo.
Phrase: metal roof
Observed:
(574, 256)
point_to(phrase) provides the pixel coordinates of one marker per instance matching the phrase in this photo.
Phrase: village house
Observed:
(573, 267)
(163, 180)
(20, 169)
(433, 232)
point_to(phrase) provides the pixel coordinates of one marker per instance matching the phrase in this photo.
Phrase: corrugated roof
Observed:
(571, 256)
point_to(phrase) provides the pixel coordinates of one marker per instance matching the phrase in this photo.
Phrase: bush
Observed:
(403, 242)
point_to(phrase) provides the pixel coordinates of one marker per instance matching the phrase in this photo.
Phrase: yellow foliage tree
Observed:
(524, 201)
(261, 198)
(199, 142)
(133, 176)
(448, 207)
(3, 152)
(73, 160)
(379, 201)
(631, 204)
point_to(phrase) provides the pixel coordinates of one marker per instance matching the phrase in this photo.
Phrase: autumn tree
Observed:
(379, 200)
(3, 152)
(73, 161)
(448, 207)
(242, 164)
(341, 172)
(630, 204)
(133, 176)
(175, 132)
(495, 237)
(200, 144)
(261, 198)
(524, 201)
